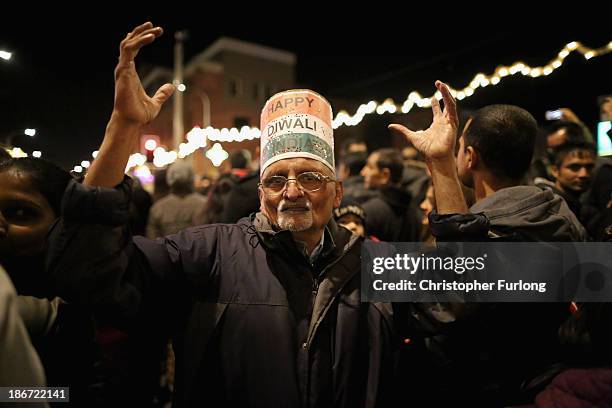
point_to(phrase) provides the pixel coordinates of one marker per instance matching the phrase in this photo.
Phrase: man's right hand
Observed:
(437, 145)
(438, 141)
(132, 104)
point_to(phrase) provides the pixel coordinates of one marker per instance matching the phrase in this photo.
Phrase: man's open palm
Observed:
(131, 101)
(438, 141)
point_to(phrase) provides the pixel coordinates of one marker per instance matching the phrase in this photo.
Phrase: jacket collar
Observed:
(274, 238)
(336, 273)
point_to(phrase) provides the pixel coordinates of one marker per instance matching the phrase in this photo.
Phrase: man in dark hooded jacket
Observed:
(483, 352)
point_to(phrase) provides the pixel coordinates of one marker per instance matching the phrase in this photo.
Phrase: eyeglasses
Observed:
(310, 182)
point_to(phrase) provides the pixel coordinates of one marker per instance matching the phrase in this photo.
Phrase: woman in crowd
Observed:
(30, 200)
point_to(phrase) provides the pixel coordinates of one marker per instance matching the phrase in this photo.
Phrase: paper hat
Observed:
(297, 123)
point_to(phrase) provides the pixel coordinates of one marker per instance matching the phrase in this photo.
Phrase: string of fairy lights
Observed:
(198, 138)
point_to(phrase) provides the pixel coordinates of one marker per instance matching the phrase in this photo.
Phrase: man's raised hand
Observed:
(132, 104)
(438, 141)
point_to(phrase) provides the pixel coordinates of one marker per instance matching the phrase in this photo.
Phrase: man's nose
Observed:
(583, 172)
(293, 191)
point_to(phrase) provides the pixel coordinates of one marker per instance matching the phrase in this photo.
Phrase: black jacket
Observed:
(355, 190)
(251, 326)
(242, 200)
(391, 216)
(521, 213)
(601, 189)
(482, 354)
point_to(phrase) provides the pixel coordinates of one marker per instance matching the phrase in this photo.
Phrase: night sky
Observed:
(60, 79)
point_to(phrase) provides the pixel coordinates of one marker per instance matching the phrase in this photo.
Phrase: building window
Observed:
(260, 92)
(240, 121)
(269, 91)
(235, 87)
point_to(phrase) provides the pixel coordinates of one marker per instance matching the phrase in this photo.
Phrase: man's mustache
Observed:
(287, 205)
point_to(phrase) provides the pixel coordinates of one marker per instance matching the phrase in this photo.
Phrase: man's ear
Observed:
(339, 194)
(555, 171)
(473, 159)
(260, 193)
(343, 171)
(386, 176)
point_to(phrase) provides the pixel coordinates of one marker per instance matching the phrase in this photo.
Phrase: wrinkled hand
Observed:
(132, 103)
(438, 141)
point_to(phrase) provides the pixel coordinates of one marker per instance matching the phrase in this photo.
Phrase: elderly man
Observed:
(265, 312)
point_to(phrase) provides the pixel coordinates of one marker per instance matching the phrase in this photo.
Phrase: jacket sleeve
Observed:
(459, 227)
(95, 262)
(19, 363)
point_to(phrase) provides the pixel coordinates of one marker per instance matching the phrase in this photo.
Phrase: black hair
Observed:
(574, 131)
(561, 152)
(391, 159)
(344, 148)
(504, 137)
(354, 162)
(239, 160)
(45, 177)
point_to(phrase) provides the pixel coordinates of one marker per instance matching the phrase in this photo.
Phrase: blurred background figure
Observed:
(203, 185)
(351, 216)
(240, 163)
(353, 145)
(584, 377)
(349, 169)
(392, 215)
(414, 178)
(573, 169)
(175, 211)
(427, 206)
(242, 199)
(601, 191)
(566, 128)
(234, 195)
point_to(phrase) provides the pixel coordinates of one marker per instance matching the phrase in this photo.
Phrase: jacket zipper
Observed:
(315, 287)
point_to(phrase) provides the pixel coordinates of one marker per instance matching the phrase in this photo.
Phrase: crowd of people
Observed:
(249, 294)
